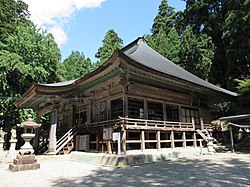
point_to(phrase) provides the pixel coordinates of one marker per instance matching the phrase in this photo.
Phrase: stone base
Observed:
(24, 162)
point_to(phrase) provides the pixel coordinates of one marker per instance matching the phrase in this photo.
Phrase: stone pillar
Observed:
(13, 141)
(52, 133)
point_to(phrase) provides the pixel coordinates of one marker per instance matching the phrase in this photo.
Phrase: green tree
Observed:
(111, 42)
(244, 99)
(189, 53)
(165, 38)
(61, 72)
(27, 56)
(197, 53)
(167, 45)
(76, 65)
(164, 20)
(12, 13)
(205, 50)
(227, 23)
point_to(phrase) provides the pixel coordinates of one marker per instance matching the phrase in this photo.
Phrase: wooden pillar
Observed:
(158, 138)
(194, 139)
(142, 140)
(124, 141)
(202, 124)
(97, 141)
(145, 109)
(172, 139)
(232, 138)
(164, 112)
(52, 133)
(37, 130)
(184, 144)
(108, 109)
(125, 105)
(109, 150)
(193, 123)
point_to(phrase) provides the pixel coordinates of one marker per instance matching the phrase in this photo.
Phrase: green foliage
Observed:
(197, 53)
(167, 45)
(27, 55)
(76, 65)
(12, 13)
(164, 20)
(228, 24)
(179, 43)
(188, 50)
(244, 99)
(111, 42)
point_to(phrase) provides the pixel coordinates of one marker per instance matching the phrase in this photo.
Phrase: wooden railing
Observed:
(102, 123)
(208, 127)
(130, 123)
(66, 138)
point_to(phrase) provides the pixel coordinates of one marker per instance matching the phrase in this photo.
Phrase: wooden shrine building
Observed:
(138, 95)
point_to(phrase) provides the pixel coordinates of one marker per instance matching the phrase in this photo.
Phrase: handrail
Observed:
(110, 122)
(68, 136)
(156, 123)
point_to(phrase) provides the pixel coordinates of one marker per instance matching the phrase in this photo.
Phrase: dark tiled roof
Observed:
(140, 52)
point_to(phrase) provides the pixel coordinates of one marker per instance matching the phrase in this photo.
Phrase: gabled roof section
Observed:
(140, 52)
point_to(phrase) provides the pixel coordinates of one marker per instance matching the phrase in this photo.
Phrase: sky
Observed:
(80, 25)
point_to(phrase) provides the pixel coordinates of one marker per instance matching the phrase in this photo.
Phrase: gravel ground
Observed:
(222, 169)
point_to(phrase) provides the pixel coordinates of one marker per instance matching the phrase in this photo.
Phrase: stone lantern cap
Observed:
(29, 123)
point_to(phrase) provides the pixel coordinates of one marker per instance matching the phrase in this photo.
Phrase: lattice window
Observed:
(155, 111)
(188, 113)
(172, 112)
(135, 108)
(116, 108)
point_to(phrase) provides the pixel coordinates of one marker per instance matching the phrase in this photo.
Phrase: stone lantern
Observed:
(29, 133)
(25, 160)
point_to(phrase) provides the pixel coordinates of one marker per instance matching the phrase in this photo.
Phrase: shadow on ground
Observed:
(184, 172)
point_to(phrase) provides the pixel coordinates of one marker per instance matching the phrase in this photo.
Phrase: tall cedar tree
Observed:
(111, 42)
(164, 20)
(228, 24)
(77, 65)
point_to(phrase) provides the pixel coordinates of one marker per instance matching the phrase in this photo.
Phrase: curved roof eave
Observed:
(141, 53)
(55, 88)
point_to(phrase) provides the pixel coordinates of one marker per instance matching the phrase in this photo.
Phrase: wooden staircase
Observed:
(66, 143)
(205, 135)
